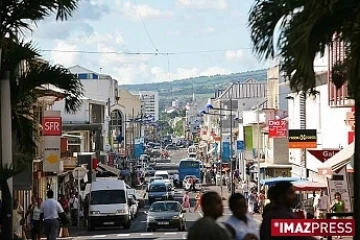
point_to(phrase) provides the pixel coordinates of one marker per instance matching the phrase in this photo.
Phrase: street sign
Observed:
(52, 131)
(79, 173)
(240, 145)
(107, 147)
(52, 126)
(278, 129)
(324, 154)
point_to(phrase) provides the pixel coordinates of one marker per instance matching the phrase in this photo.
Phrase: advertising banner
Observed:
(302, 138)
(225, 151)
(278, 128)
(324, 154)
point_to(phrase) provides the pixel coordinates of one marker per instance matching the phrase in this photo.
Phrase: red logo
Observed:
(324, 154)
(278, 129)
(312, 227)
(52, 126)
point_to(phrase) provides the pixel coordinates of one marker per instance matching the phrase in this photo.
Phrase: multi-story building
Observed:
(150, 102)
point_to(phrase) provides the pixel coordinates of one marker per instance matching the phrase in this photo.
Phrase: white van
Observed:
(108, 204)
(164, 175)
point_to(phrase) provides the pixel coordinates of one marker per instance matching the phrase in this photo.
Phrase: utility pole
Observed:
(221, 150)
(6, 154)
(258, 144)
(108, 103)
(133, 131)
(231, 148)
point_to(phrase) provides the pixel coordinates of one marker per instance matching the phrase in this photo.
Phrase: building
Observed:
(150, 102)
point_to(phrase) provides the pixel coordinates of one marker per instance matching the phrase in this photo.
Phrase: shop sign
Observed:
(324, 154)
(302, 138)
(52, 131)
(278, 128)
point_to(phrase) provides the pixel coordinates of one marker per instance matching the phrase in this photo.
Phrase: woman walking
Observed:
(36, 221)
(198, 201)
(338, 206)
(186, 201)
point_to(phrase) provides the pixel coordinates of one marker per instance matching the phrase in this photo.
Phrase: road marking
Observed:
(123, 235)
(171, 233)
(146, 234)
(99, 236)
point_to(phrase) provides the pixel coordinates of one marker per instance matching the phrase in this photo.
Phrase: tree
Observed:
(305, 29)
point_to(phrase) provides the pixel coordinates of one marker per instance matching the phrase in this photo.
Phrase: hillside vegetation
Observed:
(203, 86)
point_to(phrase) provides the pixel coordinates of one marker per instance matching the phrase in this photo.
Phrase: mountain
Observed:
(204, 86)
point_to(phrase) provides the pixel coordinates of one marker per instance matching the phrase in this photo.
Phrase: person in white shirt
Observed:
(241, 221)
(321, 205)
(245, 190)
(74, 206)
(50, 211)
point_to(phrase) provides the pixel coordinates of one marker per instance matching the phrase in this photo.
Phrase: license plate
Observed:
(108, 223)
(163, 223)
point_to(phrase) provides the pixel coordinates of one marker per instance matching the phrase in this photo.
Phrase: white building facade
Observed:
(150, 102)
(333, 129)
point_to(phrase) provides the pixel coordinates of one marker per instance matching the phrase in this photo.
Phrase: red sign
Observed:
(278, 129)
(324, 154)
(312, 227)
(52, 126)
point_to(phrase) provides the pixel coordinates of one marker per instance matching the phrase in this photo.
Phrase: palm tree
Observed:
(305, 28)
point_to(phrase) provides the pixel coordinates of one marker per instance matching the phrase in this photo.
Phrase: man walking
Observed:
(50, 210)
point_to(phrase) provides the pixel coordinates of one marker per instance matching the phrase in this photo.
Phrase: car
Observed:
(164, 175)
(133, 205)
(149, 170)
(166, 214)
(159, 190)
(171, 147)
(151, 179)
(187, 185)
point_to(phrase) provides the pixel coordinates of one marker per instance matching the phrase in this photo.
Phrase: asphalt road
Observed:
(138, 227)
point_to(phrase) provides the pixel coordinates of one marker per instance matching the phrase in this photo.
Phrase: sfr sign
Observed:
(52, 126)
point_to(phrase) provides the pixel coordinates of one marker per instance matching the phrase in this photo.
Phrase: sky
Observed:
(194, 38)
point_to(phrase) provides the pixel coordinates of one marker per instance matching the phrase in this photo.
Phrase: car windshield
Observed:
(163, 176)
(157, 188)
(164, 207)
(157, 178)
(107, 197)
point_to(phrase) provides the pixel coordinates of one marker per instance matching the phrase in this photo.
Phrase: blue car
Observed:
(159, 190)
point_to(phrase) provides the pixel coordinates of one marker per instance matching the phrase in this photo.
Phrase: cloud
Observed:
(90, 10)
(234, 55)
(208, 30)
(131, 11)
(65, 59)
(160, 74)
(62, 30)
(204, 4)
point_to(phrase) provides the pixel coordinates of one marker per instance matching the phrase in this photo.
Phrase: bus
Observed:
(189, 167)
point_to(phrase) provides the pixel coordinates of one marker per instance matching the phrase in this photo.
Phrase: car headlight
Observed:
(149, 219)
(94, 212)
(121, 211)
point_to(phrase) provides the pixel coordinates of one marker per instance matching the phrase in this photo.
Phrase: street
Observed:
(138, 227)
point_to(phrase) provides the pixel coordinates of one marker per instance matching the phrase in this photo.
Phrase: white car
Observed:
(187, 185)
(133, 205)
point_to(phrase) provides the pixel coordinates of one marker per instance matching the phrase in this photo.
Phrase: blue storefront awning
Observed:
(273, 181)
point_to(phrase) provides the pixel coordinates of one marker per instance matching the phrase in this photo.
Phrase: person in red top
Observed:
(64, 202)
(192, 184)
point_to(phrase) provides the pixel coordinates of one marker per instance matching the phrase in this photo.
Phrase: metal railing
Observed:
(330, 215)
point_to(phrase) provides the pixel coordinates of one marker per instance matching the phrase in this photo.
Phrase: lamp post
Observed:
(258, 145)
(231, 150)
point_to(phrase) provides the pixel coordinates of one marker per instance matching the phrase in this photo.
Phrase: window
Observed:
(189, 164)
(163, 176)
(107, 197)
(83, 76)
(157, 188)
(163, 207)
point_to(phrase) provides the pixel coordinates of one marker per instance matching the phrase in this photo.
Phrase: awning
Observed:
(109, 169)
(269, 165)
(273, 181)
(309, 186)
(339, 160)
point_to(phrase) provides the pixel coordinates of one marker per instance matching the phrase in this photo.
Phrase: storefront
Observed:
(275, 170)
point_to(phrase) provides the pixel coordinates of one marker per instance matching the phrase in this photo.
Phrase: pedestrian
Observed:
(186, 201)
(198, 201)
(251, 202)
(51, 211)
(261, 201)
(244, 224)
(29, 213)
(338, 206)
(207, 227)
(36, 223)
(74, 208)
(283, 199)
(244, 189)
(321, 205)
(18, 219)
(192, 184)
